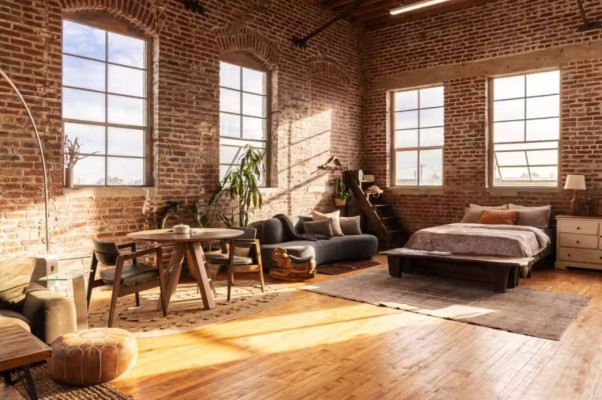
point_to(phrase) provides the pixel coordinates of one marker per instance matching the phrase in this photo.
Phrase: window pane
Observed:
(527, 146)
(229, 101)
(545, 174)
(126, 50)
(126, 111)
(125, 171)
(229, 76)
(253, 128)
(126, 142)
(431, 97)
(509, 110)
(509, 88)
(406, 139)
(223, 170)
(508, 132)
(89, 171)
(543, 107)
(515, 174)
(241, 143)
(228, 155)
(83, 40)
(543, 83)
(543, 129)
(431, 167)
(83, 105)
(230, 125)
(253, 105)
(128, 81)
(546, 157)
(406, 120)
(406, 100)
(431, 137)
(406, 163)
(509, 159)
(91, 138)
(82, 73)
(254, 81)
(431, 117)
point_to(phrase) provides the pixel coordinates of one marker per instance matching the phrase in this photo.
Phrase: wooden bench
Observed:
(502, 272)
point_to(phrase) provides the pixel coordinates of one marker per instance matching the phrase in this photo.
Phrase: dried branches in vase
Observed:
(72, 157)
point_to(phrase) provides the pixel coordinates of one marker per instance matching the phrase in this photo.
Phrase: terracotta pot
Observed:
(340, 202)
(69, 177)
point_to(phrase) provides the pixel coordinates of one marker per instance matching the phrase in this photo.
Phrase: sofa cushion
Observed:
(351, 225)
(334, 220)
(273, 232)
(15, 275)
(323, 228)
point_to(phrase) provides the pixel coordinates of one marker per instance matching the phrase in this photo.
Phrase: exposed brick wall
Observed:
(324, 77)
(498, 28)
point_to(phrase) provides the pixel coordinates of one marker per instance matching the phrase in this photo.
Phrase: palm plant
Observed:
(241, 183)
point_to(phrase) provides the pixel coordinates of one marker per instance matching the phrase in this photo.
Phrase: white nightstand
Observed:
(579, 242)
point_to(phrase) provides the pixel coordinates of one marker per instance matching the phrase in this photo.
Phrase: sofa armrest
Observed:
(51, 315)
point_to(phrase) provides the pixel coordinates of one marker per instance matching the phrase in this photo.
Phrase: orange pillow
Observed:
(498, 217)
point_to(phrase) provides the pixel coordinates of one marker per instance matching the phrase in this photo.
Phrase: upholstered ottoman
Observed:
(92, 356)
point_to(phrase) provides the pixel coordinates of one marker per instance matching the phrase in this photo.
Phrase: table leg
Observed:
(200, 273)
(81, 303)
(29, 385)
(173, 272)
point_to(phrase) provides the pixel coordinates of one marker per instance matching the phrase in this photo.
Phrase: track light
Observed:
(416, 6)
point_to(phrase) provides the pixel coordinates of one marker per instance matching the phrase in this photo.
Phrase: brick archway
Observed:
(331, 68)
(249, 42)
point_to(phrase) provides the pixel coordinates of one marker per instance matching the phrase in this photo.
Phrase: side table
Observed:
(77, 279)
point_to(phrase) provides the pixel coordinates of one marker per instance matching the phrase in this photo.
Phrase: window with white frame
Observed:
(243, 113)
(105, 104)
(418, 137)
(525, 129)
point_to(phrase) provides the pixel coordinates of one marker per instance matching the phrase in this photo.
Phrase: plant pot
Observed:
(340, 202)
(69, 177)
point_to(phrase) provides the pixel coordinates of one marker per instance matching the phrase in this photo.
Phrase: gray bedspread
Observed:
(478, 239)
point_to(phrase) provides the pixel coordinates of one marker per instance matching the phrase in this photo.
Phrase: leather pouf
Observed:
(92, 356)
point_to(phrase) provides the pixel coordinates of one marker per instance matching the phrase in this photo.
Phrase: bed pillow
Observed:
(538, 217)
(498, 217)
(319, 227)
(334, 217)
(472, 214)
(351, 225)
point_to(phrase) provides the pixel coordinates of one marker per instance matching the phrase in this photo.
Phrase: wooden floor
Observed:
(318, 347)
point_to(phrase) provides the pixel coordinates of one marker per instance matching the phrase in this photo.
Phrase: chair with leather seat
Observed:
(127, 276)
(245, 257)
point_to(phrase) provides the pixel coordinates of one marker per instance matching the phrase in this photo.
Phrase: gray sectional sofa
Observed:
(338, 248)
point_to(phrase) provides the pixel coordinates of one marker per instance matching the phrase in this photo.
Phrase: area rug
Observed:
(48, 389)
(536, 313)
(186, 312)
(342, 267)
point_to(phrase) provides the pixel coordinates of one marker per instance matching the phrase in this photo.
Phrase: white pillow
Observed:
(538, 217)
(334, 218)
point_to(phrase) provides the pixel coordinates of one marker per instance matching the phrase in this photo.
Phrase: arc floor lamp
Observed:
(43, 158)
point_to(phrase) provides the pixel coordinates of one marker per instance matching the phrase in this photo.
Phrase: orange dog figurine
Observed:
(292, 268)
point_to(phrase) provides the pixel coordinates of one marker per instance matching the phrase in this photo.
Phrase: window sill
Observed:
(107, 191)
(417, 190)
(515, 190)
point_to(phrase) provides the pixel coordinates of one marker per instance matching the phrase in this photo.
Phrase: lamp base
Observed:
(573, 204)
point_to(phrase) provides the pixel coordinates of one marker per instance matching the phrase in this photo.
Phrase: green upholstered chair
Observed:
(127, 275)
(246, 257)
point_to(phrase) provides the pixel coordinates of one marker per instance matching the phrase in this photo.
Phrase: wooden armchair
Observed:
(128, 275)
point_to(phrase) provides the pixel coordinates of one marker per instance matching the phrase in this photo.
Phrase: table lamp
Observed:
(574, 183)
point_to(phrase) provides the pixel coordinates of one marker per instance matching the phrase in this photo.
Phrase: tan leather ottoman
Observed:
(92, 356)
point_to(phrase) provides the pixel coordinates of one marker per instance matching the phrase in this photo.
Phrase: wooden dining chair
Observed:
(127, 275)
(245, 257)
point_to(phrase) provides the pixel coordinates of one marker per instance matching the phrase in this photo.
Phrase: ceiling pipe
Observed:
(587, 24)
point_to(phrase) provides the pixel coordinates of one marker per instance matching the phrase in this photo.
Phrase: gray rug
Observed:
(536, 313)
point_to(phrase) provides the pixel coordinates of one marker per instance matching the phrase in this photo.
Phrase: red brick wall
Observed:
(498, 28)
(187, 52)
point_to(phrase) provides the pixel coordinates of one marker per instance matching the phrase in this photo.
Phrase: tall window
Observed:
(525, 129)
(418, 137)
(243, 112)
(105, 104)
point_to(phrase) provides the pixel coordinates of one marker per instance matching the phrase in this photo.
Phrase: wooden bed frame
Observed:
(502, 272)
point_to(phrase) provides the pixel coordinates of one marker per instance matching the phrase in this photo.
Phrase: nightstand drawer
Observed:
(582, 227)
(580, 255)
(578, 241)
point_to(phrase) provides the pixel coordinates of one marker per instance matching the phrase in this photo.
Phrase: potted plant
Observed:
(342, 193)
(241, 183)
(72, 157)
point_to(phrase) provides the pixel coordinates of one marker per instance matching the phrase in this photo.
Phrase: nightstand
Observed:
(579, 242)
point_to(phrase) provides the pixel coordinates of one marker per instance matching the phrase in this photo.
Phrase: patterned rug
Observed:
(343, 267)
(529, 312)
(185, 311)
(48, 389)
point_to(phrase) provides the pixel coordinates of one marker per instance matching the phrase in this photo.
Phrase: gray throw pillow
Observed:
(351, 225)
(319, 227)
(538, 217)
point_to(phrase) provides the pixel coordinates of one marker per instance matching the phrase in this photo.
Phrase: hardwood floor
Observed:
(315, 346)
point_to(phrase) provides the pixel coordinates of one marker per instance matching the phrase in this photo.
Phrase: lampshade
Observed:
(575, 182)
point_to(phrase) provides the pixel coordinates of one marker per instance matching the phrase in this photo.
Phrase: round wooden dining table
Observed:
(188, 245)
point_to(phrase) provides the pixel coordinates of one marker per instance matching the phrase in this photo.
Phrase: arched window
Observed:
(105, 102)
(244, 109)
